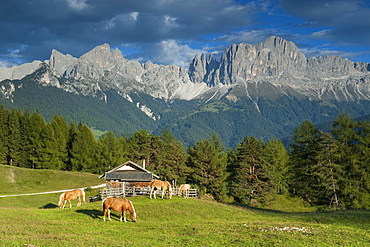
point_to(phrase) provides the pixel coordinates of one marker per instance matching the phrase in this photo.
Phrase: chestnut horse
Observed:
(160, 185)
(184, 188)
(118, 204)
(71, 195)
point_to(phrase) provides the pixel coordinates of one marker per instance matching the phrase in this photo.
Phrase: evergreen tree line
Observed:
(325, 169)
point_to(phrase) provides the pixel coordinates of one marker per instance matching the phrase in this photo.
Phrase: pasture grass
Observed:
(36, 220)
(182, 222)
(15, 180)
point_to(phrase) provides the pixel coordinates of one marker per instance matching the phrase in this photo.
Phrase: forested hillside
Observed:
(265, 116)
(325, 169)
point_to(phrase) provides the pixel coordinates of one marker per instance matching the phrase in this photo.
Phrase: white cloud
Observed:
(77, 4)
(171, 52)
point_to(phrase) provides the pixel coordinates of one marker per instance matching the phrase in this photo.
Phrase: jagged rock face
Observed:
(280, 62)
(18, 72)
(275, 61)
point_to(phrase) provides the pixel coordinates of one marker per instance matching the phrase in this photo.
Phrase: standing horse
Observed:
(118, 204)
(160, 185)
(184, 188)
(71, 195)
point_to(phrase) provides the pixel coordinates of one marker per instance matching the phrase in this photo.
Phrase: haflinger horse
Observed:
(184, 188)
(160, 185)
(71, 195)
(118, 204)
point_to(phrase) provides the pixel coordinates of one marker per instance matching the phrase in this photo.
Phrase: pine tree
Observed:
(109, 153)
(250, 182)
(144, 146)
(61, 135)
(303, 157)
(82, 150)
(209, 167)
(327, 171)
(277, 166)
(72, 134)
(33, 126)
(15, 141)
(4, 130)
(170, 163)
(48, 158)
(353, 139)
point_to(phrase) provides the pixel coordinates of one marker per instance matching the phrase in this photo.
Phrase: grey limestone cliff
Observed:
(243, 69)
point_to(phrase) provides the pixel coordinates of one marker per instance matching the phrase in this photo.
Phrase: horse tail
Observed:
(102, 204)
(169, 186)
(61, 197)
(83, 195)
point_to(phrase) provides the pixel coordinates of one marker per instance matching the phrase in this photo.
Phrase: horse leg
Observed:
(64, 204)
(109, 215)
(123, 215)
(79, 202)
(154, 194)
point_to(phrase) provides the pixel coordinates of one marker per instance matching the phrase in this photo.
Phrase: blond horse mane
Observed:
(133, 209)
(61, 197)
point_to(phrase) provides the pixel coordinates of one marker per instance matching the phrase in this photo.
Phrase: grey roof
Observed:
(130, 176)
(138, 174)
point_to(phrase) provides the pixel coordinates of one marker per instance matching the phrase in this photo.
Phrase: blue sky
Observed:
(173, 31)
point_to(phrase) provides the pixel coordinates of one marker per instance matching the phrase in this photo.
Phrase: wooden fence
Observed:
(128, 191)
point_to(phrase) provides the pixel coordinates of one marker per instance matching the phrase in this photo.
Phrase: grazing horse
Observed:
(160, 185)
(118, 204)
(71, 195)
(184, 188)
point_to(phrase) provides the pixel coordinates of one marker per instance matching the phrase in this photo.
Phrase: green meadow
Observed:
(36, 220)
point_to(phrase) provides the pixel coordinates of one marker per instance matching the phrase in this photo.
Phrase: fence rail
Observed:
(128, 191)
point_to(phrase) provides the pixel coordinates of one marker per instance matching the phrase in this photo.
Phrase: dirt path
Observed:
(51, 192)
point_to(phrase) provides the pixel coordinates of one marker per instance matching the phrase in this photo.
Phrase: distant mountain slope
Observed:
(263, 90)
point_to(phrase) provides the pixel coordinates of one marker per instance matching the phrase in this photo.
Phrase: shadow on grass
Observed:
(93, 213)
(49, 206)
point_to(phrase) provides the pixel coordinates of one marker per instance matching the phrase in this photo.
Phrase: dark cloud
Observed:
(343, 21)
(30, 29)
(71, 24)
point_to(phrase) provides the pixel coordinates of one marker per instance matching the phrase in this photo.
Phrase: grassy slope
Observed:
(15, 180)
(176, 222)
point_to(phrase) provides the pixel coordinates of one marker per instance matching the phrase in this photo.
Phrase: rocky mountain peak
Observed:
(60, 62)
(243, 62)
(276, 61)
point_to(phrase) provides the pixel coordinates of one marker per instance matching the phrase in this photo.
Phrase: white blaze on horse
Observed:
(71, 195)
(160, 185)
(118, 204)
(184, 189)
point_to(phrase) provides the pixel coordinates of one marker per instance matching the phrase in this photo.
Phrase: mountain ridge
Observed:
(263, 89)
(275, 60)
